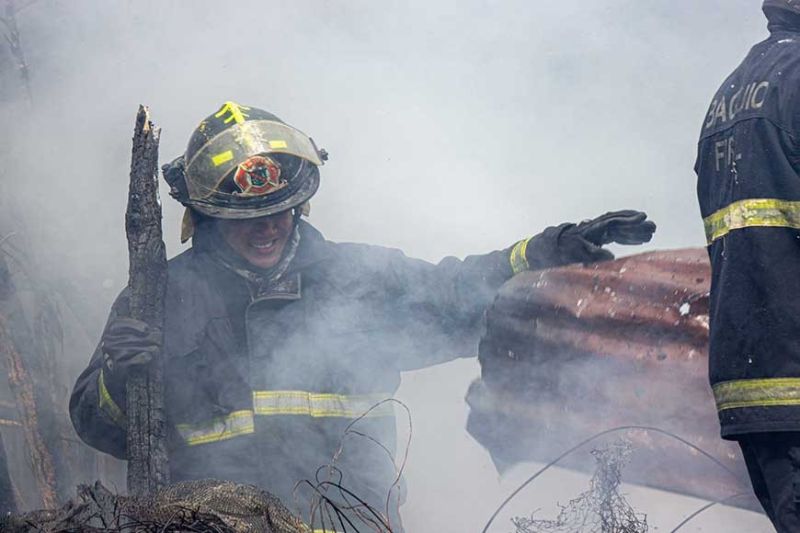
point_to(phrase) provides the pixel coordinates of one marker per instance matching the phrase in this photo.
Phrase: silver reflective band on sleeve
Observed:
(271, 403)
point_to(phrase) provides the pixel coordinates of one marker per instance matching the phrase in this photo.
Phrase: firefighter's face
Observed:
(261, 240)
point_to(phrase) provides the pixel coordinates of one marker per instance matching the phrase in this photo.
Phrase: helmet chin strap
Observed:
(187, 225)
(302, 210)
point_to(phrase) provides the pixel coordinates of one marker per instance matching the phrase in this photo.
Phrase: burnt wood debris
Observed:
(147, 455)
(38, 330)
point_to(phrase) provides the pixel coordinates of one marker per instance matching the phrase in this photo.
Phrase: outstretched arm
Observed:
(442, 304)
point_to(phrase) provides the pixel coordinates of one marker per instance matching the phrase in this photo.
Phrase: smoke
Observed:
(453, 127)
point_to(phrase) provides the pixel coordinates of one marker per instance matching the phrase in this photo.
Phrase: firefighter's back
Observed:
(749, 193)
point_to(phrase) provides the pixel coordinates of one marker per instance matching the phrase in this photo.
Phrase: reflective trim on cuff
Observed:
(107, 403)
(272, 403)
(743, 393)
(517, 257)
(223, 428)
(754, 212)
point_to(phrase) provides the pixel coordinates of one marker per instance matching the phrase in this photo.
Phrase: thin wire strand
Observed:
(706, 508)
(327, 510)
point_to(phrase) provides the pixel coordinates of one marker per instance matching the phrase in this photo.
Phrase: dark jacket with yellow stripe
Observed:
(262, 385)
(749, 193)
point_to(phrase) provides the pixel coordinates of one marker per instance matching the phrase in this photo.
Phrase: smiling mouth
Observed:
(264, 246)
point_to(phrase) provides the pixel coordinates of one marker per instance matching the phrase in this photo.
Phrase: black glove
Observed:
(128, 343)
(583, 243)
(623, 227)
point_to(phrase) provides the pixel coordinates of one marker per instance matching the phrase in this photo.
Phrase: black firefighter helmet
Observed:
(244, 162)
(788, 5)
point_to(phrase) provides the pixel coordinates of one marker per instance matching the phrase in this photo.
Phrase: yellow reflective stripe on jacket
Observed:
(271, 403)
(756, 212)
(223, 428)
(107, 403)
(274, 403)
(517, 257)
(757, 393)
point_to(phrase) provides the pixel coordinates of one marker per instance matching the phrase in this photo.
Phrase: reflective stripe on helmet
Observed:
(755, 212)
(775, 392)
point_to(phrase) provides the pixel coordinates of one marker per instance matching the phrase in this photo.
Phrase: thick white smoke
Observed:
(453, 128)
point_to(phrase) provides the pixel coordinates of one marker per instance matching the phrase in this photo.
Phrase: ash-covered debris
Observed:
(207, 506)
(601, 509)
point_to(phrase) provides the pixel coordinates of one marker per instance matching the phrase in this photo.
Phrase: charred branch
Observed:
(8, 502)
(22, 385)
(147, 455)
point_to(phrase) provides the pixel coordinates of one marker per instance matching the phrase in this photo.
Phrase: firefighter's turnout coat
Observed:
(749, 193)
(263, 382)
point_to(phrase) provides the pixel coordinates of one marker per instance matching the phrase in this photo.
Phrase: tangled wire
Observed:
(601, 509)
(580, 527)
(336, 508)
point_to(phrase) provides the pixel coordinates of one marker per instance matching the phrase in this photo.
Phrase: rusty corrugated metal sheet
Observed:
(573, 351)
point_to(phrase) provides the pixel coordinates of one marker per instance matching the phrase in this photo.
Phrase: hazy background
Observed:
(453, 128)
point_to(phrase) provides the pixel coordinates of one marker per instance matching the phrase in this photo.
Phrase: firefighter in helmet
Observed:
(277, 341)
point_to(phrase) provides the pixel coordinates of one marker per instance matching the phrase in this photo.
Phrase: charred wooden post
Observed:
(33, 421)
(147, 455)
(23, 387)
(37, 331)
(7, 500)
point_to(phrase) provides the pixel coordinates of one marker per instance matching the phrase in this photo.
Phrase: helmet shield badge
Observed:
(258, 176)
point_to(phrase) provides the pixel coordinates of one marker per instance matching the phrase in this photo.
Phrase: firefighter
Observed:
(748, 169)
(276, 340)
